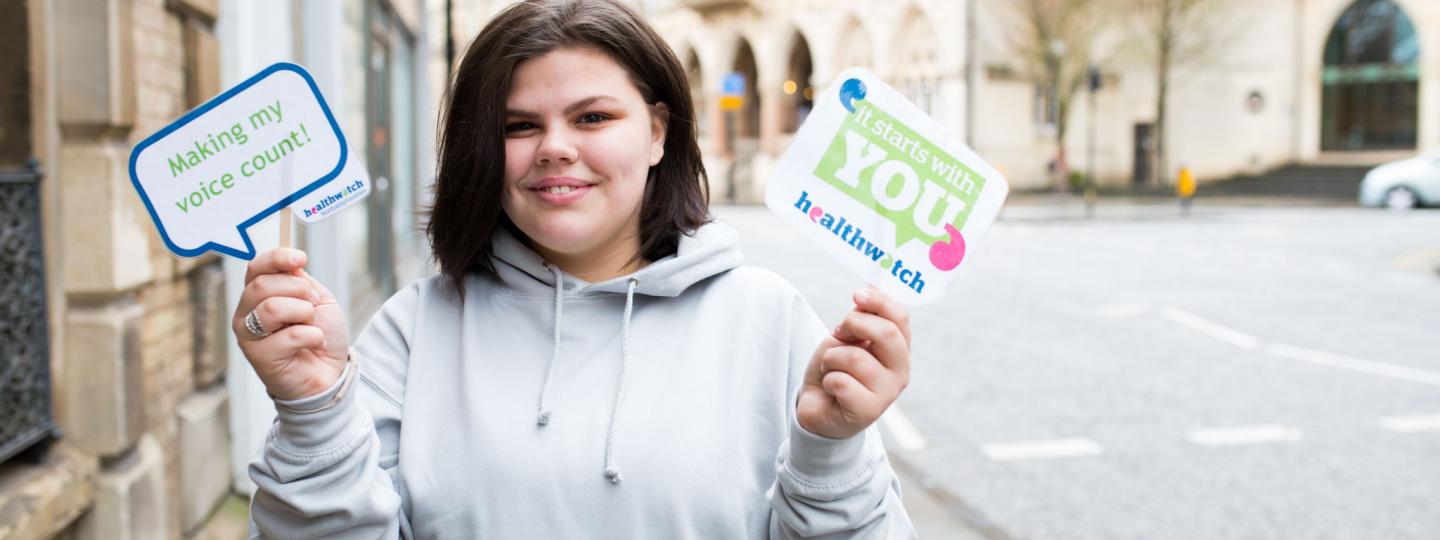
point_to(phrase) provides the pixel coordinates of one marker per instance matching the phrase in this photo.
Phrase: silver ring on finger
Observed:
(252, 325)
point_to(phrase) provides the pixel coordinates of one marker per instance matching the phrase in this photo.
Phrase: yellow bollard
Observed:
(1185, 189)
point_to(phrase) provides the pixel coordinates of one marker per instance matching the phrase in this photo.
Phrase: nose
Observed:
(556, 147)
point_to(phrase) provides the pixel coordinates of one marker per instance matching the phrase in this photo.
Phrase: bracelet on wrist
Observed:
(352, 367)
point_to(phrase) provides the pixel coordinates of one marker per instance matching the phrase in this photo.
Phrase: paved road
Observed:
(1241, 373)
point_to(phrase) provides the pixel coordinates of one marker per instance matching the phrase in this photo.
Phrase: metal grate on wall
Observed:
(26, 417)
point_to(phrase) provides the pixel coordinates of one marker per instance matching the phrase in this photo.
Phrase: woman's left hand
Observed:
(859, 370)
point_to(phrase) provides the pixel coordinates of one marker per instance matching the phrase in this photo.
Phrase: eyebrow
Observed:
(568, 109)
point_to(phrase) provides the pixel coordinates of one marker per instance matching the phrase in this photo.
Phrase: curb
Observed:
(953, 505)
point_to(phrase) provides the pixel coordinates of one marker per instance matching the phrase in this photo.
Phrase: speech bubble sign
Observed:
(885, 189)
(236, 159)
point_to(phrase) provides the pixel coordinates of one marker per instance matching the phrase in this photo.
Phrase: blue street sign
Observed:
(733, 84)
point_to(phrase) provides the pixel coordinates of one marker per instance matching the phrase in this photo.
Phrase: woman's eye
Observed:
(592, 118)
(518, 126)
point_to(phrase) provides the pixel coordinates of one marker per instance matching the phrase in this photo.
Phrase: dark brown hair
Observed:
(470, 173)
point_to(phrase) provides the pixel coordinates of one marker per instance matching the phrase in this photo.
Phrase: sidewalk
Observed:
(1141, 205)
(936, 513)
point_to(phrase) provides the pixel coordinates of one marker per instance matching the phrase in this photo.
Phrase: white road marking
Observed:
(1210, 328)
(1354, 364)
(1123, 311)
(1047, 449)
(1267, 433)
(1411, 424)
(1249, 342)
(903, 430)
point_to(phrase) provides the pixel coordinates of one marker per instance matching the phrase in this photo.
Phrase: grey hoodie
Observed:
(655, 405)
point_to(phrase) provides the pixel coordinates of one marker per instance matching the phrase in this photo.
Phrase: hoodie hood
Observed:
(709, 250)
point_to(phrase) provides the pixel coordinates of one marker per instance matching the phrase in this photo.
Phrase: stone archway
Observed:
(742, 126)
(747, 125)
(854, 48)
(695, 76)
(799, 94)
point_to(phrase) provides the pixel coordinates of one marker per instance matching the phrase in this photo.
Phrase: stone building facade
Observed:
(137, 348)
(1266, 94)
(1276, 84)
(787, 51)
(158, 413)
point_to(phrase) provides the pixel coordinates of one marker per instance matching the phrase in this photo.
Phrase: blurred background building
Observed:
(1249, 86)
(127, 350)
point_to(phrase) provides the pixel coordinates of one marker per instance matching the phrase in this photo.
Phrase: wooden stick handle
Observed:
(285, 227)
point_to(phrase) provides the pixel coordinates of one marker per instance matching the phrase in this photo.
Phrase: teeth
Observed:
(557, 190)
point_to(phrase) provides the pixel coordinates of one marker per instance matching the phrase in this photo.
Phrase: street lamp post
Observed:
(1052, 65)
(1090, 194)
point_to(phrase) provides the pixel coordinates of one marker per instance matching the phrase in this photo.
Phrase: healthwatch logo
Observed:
(331, 202)
(350, 187)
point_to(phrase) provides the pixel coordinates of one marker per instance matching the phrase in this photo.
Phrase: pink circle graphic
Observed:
(947, 255)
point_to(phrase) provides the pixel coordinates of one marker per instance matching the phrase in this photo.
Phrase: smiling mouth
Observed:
(566, 193)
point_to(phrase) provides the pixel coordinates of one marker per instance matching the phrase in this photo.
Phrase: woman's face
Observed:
(579, 143)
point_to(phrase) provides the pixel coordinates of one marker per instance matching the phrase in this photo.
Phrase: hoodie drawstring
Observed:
(612, 470)
(544, 416)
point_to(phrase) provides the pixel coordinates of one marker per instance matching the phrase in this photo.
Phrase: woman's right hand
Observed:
(308, 344)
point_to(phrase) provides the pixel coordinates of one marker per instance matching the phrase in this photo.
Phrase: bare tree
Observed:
(1053, 41)
(1174, 35)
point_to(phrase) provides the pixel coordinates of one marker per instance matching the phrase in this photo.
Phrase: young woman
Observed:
(593, 361)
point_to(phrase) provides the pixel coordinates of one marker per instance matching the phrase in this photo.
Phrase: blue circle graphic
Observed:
(852, 90)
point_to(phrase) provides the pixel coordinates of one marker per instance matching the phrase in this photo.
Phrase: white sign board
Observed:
(263, 145)
(885, 189)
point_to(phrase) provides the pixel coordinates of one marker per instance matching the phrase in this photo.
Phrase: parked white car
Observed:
(1403, 184)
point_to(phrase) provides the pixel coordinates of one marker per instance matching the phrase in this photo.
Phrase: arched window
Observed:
(854, 49)
(1371, 79)
(917, 74)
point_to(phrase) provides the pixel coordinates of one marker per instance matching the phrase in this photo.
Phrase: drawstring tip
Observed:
(543, 419)
(613, 473)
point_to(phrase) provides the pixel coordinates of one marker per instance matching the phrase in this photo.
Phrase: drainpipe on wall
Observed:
(971, 79)
(1297, 123)
(449, 40)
